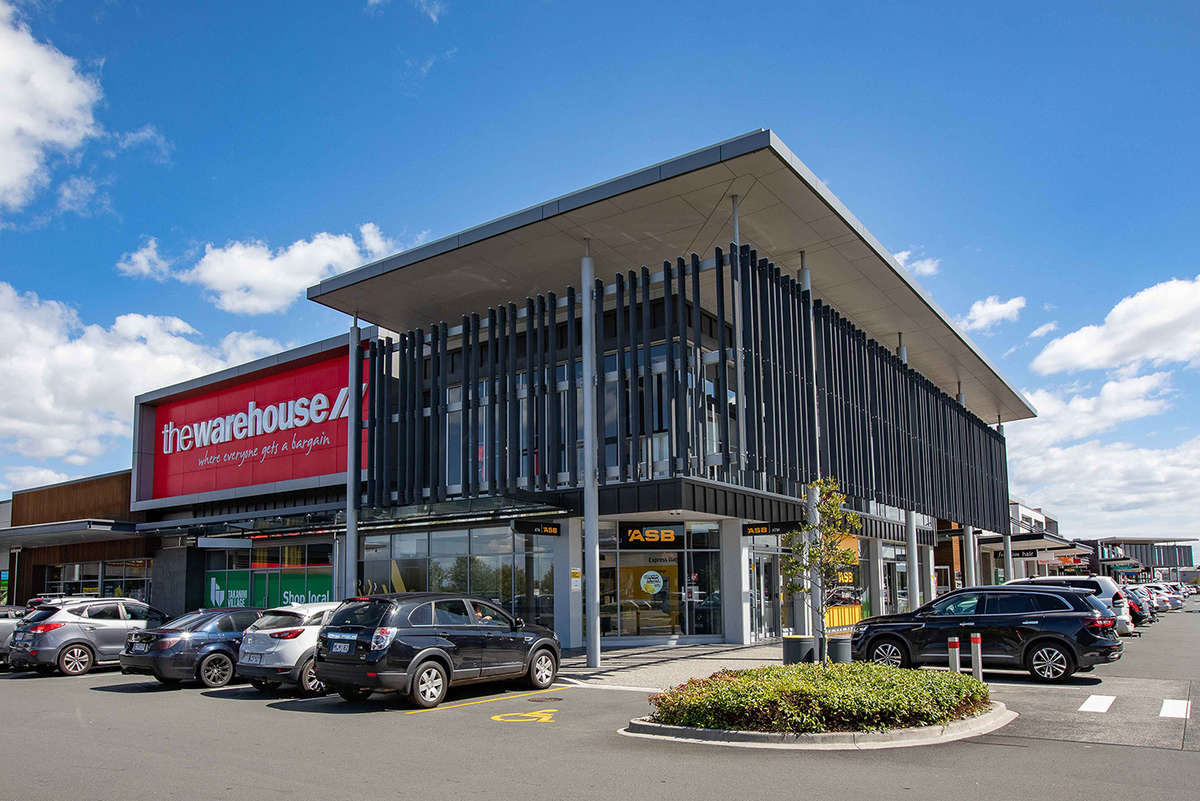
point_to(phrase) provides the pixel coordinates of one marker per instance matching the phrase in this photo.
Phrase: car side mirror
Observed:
(518, 624)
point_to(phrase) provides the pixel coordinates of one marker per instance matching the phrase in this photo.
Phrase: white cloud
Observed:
(1099, 488)
(376, 244)
(919, 266)
(145, 262)
(148, 137)
(251, 277)
(1159, 325)
(1067, 415)
(69, 386)
(26, 476)
(986, 313)
(80, 195)
(1043, 329)
(46, 108)
(433, 9)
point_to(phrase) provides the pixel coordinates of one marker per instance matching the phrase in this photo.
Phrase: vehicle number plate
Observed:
(340, 647)
(139, 648)
(252, 659)
(23, 638)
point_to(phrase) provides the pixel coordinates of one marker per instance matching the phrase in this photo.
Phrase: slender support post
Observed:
(591, 496)
(976, 656)
(952, 650)
(1008, 558)
(968, 541)
(353, 461)
(817, 594)
(736, 310)
(910, 525)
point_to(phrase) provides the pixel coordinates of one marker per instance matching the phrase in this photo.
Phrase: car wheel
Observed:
(355, 695)
(168, 682)
(1050, 662)
(216, 670)
(264, 686)
(542, 669)
(75, 660)
(889, 651)
(429, 685)
(310, 685)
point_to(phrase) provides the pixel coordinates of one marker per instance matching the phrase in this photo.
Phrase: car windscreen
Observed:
(187, 622)
(40, 614)
(368, 613)
(277, 620)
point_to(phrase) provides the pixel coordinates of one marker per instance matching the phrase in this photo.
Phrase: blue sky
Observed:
(172, 174)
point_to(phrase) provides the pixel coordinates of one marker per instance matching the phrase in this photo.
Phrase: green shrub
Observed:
(810, 698)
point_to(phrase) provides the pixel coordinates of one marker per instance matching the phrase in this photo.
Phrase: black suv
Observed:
(421, 643)
(1050, 631)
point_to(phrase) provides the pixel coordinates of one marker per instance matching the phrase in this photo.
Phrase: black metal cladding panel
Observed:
(886, 433)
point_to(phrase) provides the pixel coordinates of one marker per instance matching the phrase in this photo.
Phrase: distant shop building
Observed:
(1142, 560)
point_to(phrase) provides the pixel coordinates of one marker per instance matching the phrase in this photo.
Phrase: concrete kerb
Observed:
(996, 717)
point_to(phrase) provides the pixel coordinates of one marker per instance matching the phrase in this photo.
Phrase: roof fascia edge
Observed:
(818, 186)
(688, 162)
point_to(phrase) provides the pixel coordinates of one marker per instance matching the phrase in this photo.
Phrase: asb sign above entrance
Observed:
(277, 425)
(651, 536)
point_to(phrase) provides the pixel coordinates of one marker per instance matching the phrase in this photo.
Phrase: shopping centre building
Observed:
(620, 394)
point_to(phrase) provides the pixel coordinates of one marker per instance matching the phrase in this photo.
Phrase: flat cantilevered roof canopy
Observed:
(673, 209)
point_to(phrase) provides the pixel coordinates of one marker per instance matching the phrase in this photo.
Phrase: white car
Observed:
(1174, 600)
(278, 648)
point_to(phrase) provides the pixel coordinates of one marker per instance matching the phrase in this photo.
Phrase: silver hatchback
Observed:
(77, 635)
(278, 649)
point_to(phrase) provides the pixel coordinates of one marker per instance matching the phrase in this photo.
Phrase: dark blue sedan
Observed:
(201, 645)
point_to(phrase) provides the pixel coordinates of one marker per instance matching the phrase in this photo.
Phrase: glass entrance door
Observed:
(765, 593)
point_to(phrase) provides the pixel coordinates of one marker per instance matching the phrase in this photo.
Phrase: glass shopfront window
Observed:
(659, 579)
(514, 571)
(115, 578)
(269, 576)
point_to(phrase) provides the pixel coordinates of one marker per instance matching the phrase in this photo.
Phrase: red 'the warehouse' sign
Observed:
(286, 425)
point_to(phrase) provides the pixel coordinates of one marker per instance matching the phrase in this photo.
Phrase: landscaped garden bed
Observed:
(819, 698)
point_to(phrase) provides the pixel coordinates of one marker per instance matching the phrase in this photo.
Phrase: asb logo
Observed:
(651, 535)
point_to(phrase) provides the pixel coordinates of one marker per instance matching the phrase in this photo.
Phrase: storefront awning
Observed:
(675, 208)
(67, 532)
(1044, 541)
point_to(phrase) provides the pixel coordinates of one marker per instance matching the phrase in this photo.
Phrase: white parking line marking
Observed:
(1172, 708)
(1097, 703)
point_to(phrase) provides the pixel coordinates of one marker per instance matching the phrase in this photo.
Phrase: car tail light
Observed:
(286, 634)
(382, 638)
(165, 643)
(1101, 623)
(44, 628)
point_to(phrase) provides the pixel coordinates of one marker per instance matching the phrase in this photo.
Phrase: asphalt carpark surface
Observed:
(108, 736)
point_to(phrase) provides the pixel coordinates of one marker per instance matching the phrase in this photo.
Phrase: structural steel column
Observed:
(1008, 560)
(735, 581)
(910, 532)
(353, 462)
(810, 621)
(591, 496)
(735, 277)
(970, 575)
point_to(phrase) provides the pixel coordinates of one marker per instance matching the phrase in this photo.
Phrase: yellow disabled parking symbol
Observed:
(536, 716)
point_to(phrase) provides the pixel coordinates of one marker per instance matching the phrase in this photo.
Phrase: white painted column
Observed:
(928, 574)
(910, 525)
(875, 588)
(568, 601)
(735, 582)
(591, 490)
(353, 463)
